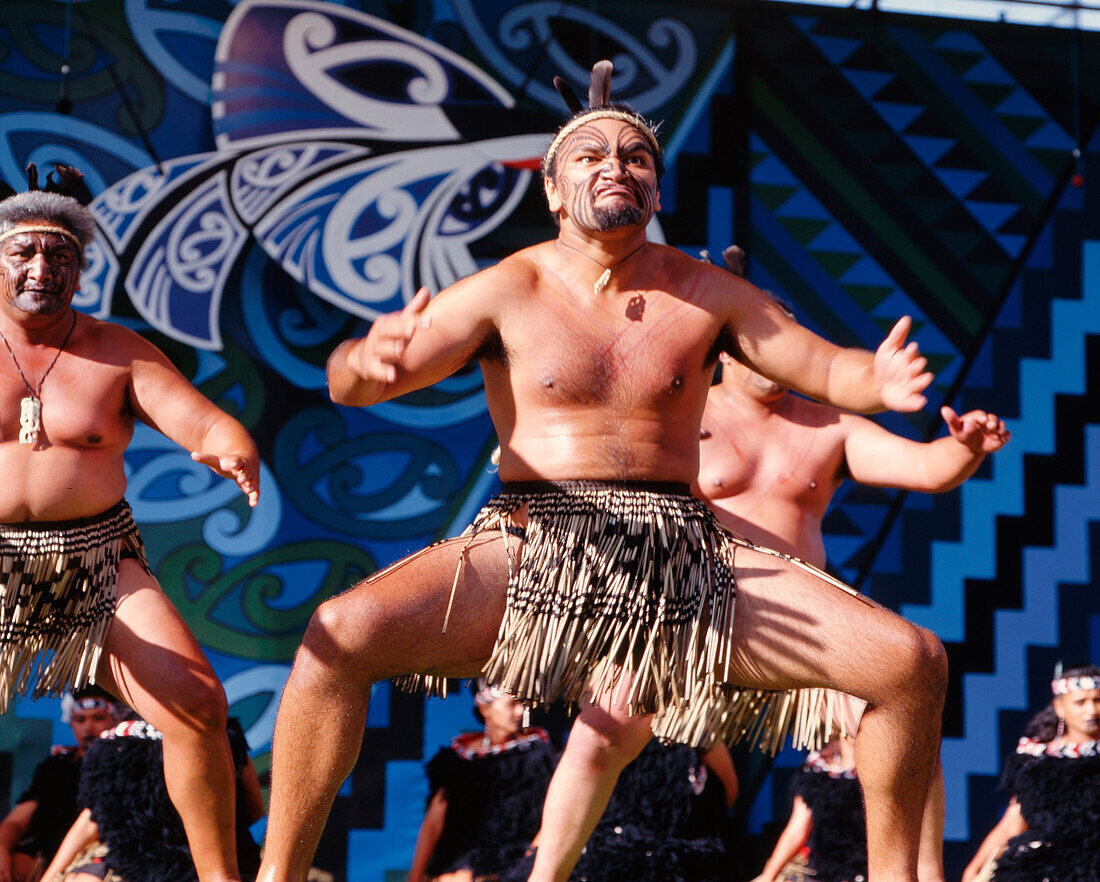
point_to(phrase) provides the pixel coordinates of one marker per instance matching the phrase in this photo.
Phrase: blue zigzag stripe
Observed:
(973, 556)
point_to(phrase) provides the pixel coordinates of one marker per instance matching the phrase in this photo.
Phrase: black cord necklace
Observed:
(30, 408)
(605, 276)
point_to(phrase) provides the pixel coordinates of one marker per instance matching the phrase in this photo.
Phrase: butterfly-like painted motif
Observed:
(352, 150)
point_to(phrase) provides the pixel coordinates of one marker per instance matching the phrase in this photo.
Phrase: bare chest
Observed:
(781, 461)
(613, 360)
(80, 404)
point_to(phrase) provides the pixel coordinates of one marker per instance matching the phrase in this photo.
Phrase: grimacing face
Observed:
(39, 272)
(605, 177)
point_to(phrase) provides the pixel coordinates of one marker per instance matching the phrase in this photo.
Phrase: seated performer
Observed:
(34, 828)
(826, 836)
(596, 576)
(128, 830)
(71, 390)
(486, 796)
(770, 463)
(1051, 829)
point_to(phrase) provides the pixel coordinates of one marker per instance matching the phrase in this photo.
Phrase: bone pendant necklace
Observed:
(605, 276)
(30, 408)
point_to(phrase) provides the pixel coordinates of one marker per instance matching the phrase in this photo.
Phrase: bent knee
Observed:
(201, 707)
(330, 639)
(921, 662)
(931, 657)
(609, 744)
(342, 641)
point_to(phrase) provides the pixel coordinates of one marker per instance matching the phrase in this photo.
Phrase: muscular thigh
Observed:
(793, 629)
(151, 655)
(393, 622)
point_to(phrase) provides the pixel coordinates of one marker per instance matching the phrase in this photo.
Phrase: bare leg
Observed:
(155, 665)
(794, 630)
(930, 862)
(456, 876)
(385, 626)
(603, 740)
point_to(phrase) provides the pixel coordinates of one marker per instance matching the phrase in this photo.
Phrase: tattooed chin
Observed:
(617, 217)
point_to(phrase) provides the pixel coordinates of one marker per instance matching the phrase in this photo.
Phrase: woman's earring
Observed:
(1061, 727)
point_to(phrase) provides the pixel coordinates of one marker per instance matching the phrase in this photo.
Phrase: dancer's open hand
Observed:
(242, 469)
(979, 430)
(900, 370)
(390, 334)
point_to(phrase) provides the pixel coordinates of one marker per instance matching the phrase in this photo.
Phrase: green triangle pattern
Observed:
(1000, 92)
(838, 253)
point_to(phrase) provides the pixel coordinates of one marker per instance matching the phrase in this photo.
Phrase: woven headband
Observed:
(634, 119)
(599, 99)
(1066, 685)
(70, 704)
(42, 228)
(488, 694)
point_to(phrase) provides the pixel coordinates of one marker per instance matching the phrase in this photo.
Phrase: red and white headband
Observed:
(1066, 685)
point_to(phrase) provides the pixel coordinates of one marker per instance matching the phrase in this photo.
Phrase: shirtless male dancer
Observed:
(770, 463)
(597, 350)
(79, 601)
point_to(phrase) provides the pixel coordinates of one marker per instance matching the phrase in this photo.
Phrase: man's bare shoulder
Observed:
(114, 342)
(111, 333)
(819, 415)
(522, 266)
(499, 282)
(716, 286)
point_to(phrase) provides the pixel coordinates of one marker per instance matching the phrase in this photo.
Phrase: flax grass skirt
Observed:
(58, 584)
(640, 575)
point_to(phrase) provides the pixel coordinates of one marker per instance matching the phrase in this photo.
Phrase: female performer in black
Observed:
(487, 791)
(1051, 829)
(826, 837)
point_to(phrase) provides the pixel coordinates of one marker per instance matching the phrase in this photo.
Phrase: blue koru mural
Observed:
(288, 172)
(271, 176)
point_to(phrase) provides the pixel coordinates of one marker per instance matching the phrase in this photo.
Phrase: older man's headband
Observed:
(599, 97)
(42, 228)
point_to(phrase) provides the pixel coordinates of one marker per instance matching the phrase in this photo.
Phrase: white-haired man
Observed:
(71, 560)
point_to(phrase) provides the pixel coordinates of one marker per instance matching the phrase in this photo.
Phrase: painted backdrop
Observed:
(270, 176)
